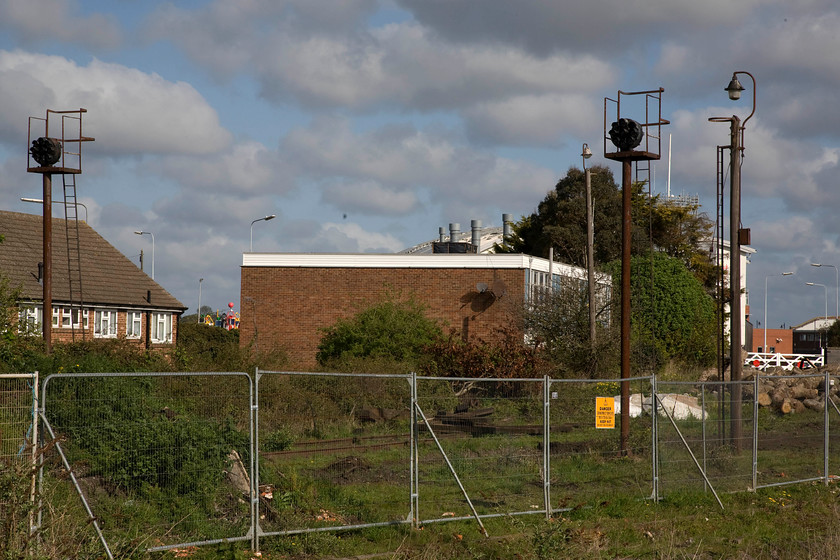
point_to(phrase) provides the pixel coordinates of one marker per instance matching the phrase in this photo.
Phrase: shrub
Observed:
(395, 329)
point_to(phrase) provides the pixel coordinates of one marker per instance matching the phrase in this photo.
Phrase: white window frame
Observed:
(162, 327)
(56, 317)
(105, 318)
(67, 315)
(133, 324)
(30, 317)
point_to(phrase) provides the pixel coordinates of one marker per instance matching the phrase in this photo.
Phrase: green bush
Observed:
(395, 329)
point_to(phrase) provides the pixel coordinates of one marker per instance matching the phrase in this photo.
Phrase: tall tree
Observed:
(678, 230)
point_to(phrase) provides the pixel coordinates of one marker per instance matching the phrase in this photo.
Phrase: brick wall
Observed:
(286, 307)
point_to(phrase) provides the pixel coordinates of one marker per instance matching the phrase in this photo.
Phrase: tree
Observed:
(392, 329)
(671, 312)
(678, 230)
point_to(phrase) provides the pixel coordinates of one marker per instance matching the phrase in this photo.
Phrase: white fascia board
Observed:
(397, 260)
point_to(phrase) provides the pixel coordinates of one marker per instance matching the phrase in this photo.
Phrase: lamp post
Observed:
(837, 288)
(736, 132)
(826, 296)
(153, 248)
(198, 318)
(39, 201)
(586, 153)
(264, 219)
(765, 305)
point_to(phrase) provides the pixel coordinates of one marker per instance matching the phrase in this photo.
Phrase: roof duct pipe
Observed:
(476, 234)
(454, 232)
(442, 234)
(507, 231)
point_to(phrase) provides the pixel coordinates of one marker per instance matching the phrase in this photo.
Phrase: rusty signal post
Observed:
(632, 141)
(58, 151)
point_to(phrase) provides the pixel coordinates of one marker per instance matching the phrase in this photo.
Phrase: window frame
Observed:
(132, 319)
(112, 321)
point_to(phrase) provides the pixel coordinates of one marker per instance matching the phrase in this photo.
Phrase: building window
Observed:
(161, 327)
(56, 317)
(105, 323)
(78, 317)
(133, 324)
(30, 319)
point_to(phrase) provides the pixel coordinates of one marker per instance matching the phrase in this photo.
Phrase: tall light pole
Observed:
(764, 348)
(586, 153)
(198, 320)
(826, 296)
(39, 201)
(153, 248)
(836, 289)
(736, 146)
(265, 219)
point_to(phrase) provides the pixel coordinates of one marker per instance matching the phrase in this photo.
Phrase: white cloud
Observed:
(50, 20)
(129, 111)
(353, 238)
(451, 173)
(543, 120)
(248, 168)
(369, 197)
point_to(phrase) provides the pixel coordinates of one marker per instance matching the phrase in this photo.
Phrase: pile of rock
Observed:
(793, 391)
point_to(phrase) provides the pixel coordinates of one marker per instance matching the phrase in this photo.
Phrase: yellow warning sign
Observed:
(605, 412)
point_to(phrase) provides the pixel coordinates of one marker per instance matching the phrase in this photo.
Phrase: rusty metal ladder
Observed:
(74, 254)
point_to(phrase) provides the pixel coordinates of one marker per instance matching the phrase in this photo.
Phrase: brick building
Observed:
(112, 298)
(287, 299)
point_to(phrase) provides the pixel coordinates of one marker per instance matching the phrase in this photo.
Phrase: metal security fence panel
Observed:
(18, 409)
(159, 460)
(479, 447)
(793, 429)
(18, 456)
(700, 445)
(587, 464)
(334, 451)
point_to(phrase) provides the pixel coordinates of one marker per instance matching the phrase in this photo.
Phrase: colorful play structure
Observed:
(228, 321)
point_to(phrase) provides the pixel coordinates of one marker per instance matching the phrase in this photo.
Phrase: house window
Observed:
(133, 323)
(30, 319)
(55, 317)
(105, 323)
(161, 327)
(67, 313)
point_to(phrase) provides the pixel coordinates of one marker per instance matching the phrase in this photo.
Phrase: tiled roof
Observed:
(108, 277)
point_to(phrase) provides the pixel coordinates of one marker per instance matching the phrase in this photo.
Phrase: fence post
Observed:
(703, 427)
(414, 455)
(756, 385)
(255, 460)
(546, 445)
(827, 394)
(654, 434)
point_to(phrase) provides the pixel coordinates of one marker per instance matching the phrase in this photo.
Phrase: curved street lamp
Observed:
(153, 248)
(736, 146)
(837, 288)
(826, 296)
(264, 219)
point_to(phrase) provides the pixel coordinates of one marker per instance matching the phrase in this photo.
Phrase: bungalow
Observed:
(110, 297)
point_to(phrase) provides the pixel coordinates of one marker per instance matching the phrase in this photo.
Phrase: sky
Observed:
(364, 125)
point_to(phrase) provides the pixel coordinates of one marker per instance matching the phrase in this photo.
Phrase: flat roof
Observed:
(392, 260)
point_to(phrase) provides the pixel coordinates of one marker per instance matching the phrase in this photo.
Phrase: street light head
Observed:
(587, 153)
(734, 88)
(139, 232)
(816, 264)
(787, 273)
(271, 217)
